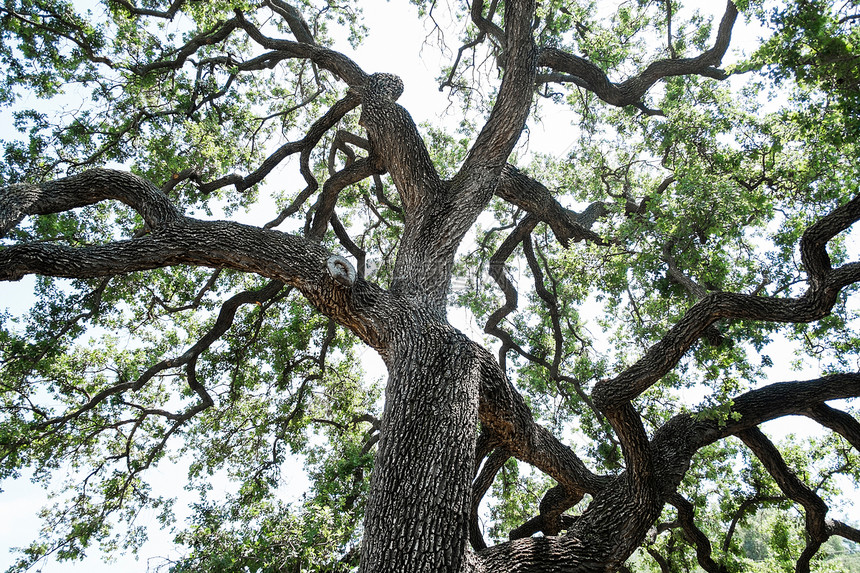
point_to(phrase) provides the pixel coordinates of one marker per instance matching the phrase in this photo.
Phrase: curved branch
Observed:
(521, 190)
(783, 399)
(551, 302)
(659, 559)
(840, 422)
(795, 489)
(497, 271)
(480, 486)
(218, 33)
(537, 523)
(503, 411)
(222, 325)
(298, 26)
(675, 443)
(337, 111)
(813, 244)
(349, 175)
(825, 285)
(176, 240)
(696, 535)
(303, 146)
(87, 188)
(486, 25)
(601, 539)
(630, 91)
(613, 396)
(550, 520)
(500, 134)
(335, 62)
(134, 10)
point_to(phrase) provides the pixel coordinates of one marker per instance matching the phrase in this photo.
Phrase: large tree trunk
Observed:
(418, 511)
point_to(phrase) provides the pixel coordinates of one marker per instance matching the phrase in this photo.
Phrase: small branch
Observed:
(218, 33)
(305, 146)
(795, 489)
(480, 486)
(745, 506)
(669, 42)
(167, 14)
(840, 422)
(696, 535)
(497, 272)
(222, 325)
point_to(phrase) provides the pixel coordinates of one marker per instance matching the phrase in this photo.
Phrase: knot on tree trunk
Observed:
(341, 270)
(386, 87)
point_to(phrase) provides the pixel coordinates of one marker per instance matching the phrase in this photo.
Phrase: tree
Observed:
(693, 222)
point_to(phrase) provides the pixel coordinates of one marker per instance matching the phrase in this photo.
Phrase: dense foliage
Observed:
(646, 280)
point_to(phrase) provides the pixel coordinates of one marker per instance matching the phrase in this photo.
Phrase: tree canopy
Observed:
(636, 284)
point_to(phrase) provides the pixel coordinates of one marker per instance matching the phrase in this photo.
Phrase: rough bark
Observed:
(418, 514)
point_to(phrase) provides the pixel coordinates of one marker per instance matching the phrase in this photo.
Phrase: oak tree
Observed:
(631, 285)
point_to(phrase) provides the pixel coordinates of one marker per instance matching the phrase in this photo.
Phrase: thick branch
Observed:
(442, 214)
(298, 26)
(840, 422)
(531, 195)
(662, 357)
(504, 412)
(813, 245)
(675, 443)
(783, 399)
(500, 134)
(292, 260)
(550, 520)
(425, 255)
(87, 188)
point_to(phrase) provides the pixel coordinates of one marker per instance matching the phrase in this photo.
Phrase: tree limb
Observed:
(795, 489)
(630, 91)
(816, 303)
